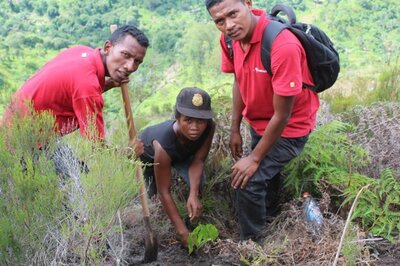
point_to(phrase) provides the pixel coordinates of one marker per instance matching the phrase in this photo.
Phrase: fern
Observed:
(378, 209)
(329, 152)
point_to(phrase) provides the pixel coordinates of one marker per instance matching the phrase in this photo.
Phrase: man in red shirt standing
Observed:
(71, 85)
(281, 113)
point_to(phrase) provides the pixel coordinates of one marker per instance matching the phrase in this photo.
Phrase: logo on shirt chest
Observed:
(259, 70)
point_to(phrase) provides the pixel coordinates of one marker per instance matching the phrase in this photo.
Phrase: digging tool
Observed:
(150, 241)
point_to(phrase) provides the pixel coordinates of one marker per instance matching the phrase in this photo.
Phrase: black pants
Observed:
(180, 169)
(69, 170)
(259, 200)
(63, 159)
(65, 162)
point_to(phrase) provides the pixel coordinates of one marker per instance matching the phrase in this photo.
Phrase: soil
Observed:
(288, 240)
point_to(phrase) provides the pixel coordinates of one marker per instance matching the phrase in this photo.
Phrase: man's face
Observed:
(123, 58)
(233, 18)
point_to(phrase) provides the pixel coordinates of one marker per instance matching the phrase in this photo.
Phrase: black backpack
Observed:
(322, 58)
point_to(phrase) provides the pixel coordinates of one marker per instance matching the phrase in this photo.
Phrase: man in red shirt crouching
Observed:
(71, 85)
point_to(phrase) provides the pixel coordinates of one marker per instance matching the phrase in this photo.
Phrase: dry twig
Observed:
(347, 224)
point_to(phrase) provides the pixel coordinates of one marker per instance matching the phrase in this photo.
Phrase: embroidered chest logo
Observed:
(259, 70)
(197, 100)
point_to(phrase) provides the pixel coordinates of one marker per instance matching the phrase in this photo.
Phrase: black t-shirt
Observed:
(165, 135)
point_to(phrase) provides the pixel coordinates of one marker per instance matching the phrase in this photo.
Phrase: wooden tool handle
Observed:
(143, 192)
(128, 112)
(132, 136)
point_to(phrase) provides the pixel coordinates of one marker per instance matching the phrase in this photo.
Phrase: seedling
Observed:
(201, 235)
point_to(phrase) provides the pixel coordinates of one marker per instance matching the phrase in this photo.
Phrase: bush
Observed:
(389, 85)
(341, 103)
(67, 218)
(30, 202)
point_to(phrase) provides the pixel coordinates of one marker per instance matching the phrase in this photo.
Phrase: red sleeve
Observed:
(286, 66)
(89, 112)
(226, 62)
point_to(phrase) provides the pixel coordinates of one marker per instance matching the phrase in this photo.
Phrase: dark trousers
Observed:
(69, 170)
(258, 202)
(178, 169)
(63, 159)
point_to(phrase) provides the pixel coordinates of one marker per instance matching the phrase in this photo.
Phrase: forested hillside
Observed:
(184, 42)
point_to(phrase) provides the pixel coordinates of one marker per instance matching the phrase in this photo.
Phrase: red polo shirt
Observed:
(71, 87)
(290, 70)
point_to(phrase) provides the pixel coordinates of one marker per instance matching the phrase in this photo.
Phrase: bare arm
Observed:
(235, 142)
(162, 172)
(194, 206)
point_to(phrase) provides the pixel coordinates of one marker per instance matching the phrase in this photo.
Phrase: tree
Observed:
(53, 12)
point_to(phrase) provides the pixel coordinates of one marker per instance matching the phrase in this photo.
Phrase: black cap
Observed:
(194, 102)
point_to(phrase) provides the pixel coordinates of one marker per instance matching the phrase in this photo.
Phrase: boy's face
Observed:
(233, 18)
(123, 58)
(191, 128)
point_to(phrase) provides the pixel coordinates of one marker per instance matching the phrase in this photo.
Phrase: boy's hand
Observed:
(134, 148)
(183, 236)
(194, 207)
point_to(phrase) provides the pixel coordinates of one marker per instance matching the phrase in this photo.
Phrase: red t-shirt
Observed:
(290, 70)
(71, 87)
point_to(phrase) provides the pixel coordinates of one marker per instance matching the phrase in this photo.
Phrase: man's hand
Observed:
(134, 148)
(235, 144)
(138, 146)
(110, 83)
(243, 170)
(194, 207)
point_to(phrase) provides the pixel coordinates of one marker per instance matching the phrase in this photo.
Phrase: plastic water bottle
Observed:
(312, 213)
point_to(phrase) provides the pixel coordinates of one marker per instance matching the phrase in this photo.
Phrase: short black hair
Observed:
(211, 3)
(122, 31)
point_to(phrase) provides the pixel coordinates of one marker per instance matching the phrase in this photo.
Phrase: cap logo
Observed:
(197, 100)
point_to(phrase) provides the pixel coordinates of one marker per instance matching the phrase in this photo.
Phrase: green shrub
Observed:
(341, 103)
(388, 86)
(30, 202)
(47, 219)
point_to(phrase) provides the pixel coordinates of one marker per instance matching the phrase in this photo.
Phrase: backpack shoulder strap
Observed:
(270, 32)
